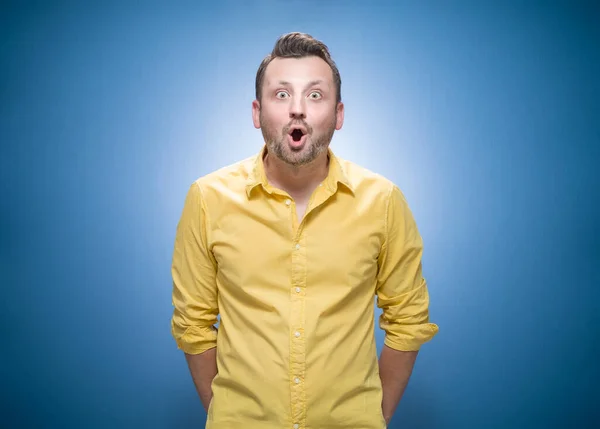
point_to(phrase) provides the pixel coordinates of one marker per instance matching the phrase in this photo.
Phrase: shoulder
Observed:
(375, 190)
(229, 179)
(366, 182)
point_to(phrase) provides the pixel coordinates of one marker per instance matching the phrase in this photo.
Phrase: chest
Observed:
(301, 207)
(265, 251)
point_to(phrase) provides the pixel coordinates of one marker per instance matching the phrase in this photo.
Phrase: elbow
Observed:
(194, 337)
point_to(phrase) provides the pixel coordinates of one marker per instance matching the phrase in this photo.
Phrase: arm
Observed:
(195, 294)
(203, 368)
(402, 295)
(395, 368)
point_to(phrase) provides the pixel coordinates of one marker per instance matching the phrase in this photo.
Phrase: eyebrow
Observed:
(311, 83)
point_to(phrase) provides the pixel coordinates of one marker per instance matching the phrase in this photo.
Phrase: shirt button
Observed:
(296, 380)
(296, 334)
(297, 290)
(296, 425)
(297, 247)
(288, 202)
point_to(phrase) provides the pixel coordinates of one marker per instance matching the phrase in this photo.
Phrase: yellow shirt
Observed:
(296, 341)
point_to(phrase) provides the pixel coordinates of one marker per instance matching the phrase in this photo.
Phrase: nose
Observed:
(297, 108)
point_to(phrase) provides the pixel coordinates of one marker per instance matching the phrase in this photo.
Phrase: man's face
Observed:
(298, 113)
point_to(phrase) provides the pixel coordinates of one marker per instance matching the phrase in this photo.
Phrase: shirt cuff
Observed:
(412, 337)
(195, 339)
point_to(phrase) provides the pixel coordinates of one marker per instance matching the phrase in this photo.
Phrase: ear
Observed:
(339, 116)
(256, 113)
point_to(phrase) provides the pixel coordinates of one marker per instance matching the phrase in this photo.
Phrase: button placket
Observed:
(297, 356)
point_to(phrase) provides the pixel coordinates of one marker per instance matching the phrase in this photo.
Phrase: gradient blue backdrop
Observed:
(487, 116)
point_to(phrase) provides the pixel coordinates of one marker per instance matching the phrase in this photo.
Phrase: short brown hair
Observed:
(298, 45)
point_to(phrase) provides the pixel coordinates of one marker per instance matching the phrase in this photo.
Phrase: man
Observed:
(290, 247)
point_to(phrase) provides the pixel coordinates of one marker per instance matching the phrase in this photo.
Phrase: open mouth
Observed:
(297, 134)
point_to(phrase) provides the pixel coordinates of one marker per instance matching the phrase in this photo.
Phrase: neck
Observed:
(298, 181)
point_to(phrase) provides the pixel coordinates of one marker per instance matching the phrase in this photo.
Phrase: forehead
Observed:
(298, 71)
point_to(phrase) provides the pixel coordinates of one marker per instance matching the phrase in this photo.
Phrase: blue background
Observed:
(486, 115)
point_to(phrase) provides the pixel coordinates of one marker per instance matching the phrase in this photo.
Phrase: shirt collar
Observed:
(336, 175)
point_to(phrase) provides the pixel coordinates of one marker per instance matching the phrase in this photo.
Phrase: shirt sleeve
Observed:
(194, 279)
(401, 289)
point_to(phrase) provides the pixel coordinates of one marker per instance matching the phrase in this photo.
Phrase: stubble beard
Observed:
(277, 144)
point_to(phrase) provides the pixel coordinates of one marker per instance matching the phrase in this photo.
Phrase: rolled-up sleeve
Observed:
(194, 271)
(401, 289)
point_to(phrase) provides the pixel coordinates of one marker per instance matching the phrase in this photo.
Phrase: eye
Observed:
(281, 94)
(315, 95)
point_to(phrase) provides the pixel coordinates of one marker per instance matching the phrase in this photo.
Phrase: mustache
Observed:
(296, 124)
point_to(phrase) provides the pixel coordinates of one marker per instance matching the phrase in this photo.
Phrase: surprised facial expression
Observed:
(298, 113)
